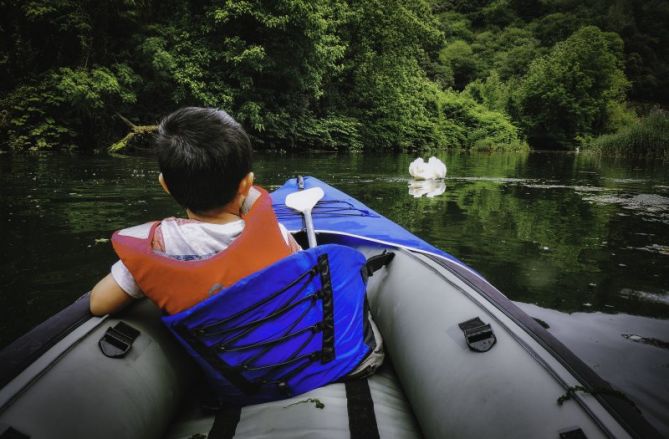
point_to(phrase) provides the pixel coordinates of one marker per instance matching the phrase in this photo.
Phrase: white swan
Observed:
(432, 170)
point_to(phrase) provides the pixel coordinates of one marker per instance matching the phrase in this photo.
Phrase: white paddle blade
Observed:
(304, 201)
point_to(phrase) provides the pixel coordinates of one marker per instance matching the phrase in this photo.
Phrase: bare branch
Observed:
(135, 130)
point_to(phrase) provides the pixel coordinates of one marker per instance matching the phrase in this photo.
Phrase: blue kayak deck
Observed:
(340, 213)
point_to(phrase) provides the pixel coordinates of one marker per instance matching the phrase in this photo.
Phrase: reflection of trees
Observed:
(538, 244)
(55, 207)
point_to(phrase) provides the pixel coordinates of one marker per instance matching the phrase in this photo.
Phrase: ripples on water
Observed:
(581, 244)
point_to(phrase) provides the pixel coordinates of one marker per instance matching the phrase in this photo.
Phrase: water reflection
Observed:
(428, 188)
(563, 231)
(600, 339)
(584, 238)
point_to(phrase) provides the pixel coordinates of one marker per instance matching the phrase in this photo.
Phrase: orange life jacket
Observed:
(176, 285)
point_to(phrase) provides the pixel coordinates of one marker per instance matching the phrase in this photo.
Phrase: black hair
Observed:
(203, 154)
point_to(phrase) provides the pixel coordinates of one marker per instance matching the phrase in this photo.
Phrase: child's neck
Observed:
(223, 215)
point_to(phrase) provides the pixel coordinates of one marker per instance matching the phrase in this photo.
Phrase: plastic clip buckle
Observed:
(479, 335)
(118, 340)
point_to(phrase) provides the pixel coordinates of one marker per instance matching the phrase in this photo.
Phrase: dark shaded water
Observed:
(582, 243)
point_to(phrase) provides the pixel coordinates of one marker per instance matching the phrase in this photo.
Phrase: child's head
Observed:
(203, 154)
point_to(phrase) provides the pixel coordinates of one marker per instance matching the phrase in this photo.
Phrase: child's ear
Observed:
(246, 184)
(161, 180)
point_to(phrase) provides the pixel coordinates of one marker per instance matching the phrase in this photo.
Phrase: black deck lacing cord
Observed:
(324, 207)
(272, 342)
(311, 357)
(204, 330)
(292, 358)
(286, 332)
(295, 357)
(268, 317)
(276, 373)
(250, 327)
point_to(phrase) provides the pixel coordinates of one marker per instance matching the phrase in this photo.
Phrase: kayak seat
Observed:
(319, 413)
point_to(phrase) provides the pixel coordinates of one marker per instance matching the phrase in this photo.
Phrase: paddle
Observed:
(303, 202)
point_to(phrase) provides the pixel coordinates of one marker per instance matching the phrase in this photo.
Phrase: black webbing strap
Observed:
(327, 349)
(375, 263)
(361, 417)
(225, 423)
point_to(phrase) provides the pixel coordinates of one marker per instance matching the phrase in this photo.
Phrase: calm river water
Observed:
(580, 243)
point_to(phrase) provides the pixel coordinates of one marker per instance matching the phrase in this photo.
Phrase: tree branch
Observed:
(135, 130)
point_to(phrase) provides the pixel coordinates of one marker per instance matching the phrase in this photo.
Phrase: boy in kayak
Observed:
(230, 232)
(205, 159)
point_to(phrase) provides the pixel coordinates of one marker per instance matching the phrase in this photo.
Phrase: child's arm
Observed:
(108, 297)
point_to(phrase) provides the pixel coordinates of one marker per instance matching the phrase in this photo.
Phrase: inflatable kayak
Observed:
(462, 361)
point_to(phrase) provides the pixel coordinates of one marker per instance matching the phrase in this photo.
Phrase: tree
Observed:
(567, 94)
(459, 58)
(509, 52)
(385, 84)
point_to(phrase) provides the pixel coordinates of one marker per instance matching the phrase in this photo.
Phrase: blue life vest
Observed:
(296, 325)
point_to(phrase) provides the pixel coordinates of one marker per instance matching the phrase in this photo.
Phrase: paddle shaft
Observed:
(303, 201)
(309, 224)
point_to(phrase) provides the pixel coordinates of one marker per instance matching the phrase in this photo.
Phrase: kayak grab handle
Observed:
(118, 340)
(375, 263)
(479, 335)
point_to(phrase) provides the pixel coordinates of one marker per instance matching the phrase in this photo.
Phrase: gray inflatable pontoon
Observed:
(433, 313)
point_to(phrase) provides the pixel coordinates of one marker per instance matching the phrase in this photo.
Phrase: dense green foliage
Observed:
(646, 137)
(332, 74)
(568, 92)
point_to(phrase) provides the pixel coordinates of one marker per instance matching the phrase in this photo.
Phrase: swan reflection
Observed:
(429, 188)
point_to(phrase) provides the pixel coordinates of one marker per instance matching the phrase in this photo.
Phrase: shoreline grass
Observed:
(646, 138)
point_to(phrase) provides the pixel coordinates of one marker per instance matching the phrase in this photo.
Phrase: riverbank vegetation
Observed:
(646, 137)
(333, 75)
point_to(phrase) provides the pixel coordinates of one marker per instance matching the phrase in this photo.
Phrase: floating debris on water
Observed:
(651, 207)
(101, 240)
(626, 180)
(647, 340)
(521, 181)
(653, 248)
(631, 202)
(566, 186)
(628, 293)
